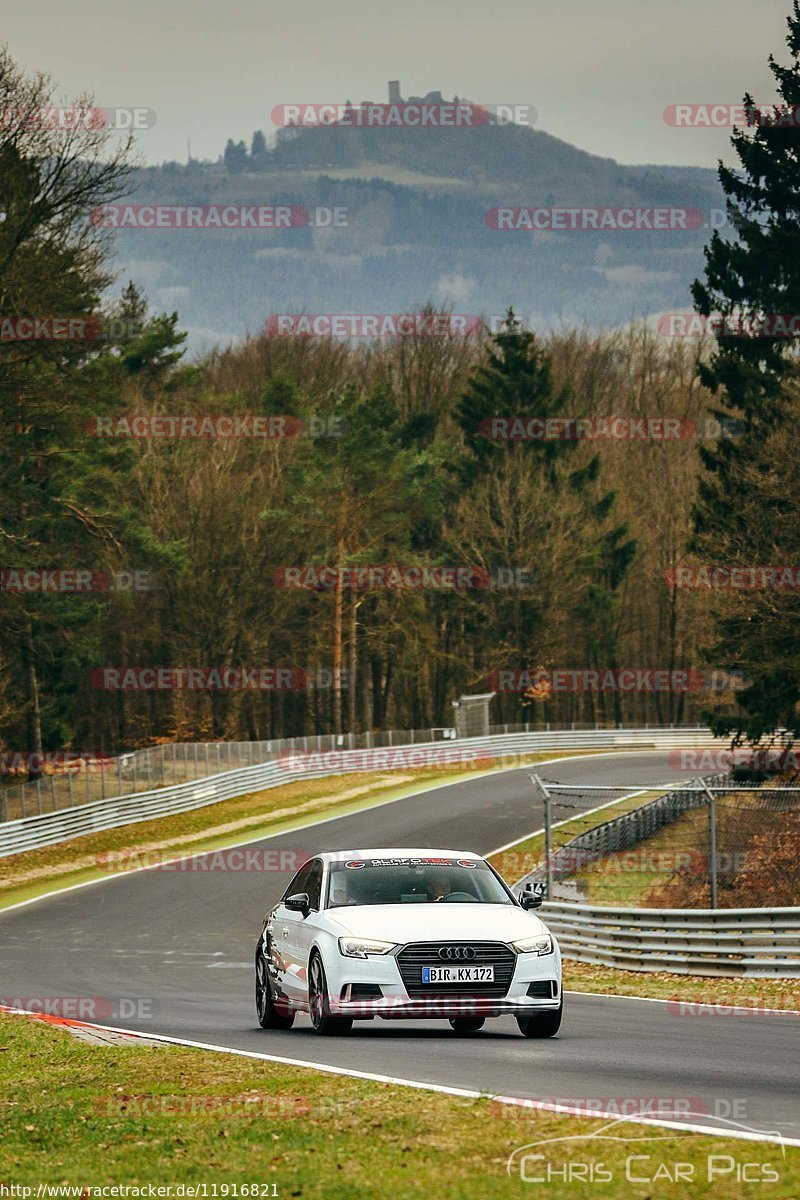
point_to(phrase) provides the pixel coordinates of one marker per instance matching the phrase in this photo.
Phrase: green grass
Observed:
(610, 880)
(704, 989)
(82, 1115)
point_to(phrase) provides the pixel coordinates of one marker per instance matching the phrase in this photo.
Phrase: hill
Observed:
(416, 227)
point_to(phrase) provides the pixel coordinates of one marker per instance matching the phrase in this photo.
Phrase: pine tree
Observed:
(235, 157)
(61, 491)
(754, 275)
(516, 381)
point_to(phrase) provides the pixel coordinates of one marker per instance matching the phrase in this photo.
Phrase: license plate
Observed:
(458, 974)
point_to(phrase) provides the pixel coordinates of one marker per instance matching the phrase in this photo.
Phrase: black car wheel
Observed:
(542, 1024)
(269, 1016)
(467, 1024)
(319, 1002)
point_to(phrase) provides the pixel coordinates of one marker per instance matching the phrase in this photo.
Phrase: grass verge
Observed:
(83, 1115)
(700, 989)
(627, 879)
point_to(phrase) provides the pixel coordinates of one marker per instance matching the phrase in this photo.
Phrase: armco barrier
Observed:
(28, 833)
(754, 942)
(76, 779)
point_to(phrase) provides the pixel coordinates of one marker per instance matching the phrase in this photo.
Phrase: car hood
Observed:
(438, 922)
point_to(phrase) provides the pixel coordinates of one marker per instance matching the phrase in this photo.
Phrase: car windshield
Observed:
(414, 881)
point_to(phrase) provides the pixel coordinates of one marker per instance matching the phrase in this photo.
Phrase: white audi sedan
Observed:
(361, 934)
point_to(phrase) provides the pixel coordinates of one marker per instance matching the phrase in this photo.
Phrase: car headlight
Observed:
(363, 947)
(534, 945)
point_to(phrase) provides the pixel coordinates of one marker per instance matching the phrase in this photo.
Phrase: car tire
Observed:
(467, 1024)
(319, 1006)
(269, 1015)
(541, 1024)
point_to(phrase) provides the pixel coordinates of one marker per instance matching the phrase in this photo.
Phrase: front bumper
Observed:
(431, 1008)
(395, 1002)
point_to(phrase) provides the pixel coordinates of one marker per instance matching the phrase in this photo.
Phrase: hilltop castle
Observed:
(431, 98)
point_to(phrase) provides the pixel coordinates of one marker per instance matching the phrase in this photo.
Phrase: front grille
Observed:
(416, 955)
(543, 989)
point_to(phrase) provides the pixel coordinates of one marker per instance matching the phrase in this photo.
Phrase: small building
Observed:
(472, 715)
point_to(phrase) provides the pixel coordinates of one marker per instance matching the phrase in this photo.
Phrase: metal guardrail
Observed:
(47, 828)
(89, 777)
(753, 942)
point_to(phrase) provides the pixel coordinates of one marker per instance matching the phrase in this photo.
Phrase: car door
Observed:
(307, 928)
(284, 931)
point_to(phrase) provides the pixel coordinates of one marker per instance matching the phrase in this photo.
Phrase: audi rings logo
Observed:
(460, 953)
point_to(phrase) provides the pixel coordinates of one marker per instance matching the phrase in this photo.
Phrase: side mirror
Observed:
(299, 903)
(533, 896)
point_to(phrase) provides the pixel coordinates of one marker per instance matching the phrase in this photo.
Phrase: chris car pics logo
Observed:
(651, 1158)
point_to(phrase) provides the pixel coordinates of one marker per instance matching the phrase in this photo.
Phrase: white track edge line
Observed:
(443, 1089)
(787, 1012)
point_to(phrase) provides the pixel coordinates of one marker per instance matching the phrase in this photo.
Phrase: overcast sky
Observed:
(599, 74)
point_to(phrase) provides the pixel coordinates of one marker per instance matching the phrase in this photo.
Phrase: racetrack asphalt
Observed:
(170, 952)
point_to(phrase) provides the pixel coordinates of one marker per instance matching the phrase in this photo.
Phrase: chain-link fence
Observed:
(84, 778)
(70, 780)
(709, 844)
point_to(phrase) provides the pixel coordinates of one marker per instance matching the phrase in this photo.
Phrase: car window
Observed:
(300, 881)
(314, 885)
(415, 881)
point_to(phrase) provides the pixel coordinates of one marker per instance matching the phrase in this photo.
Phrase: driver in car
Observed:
(439, 884)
